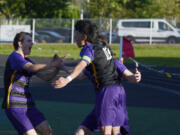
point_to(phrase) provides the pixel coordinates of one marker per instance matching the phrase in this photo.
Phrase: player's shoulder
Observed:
(87, 48)
(14, 55)
(29, 60)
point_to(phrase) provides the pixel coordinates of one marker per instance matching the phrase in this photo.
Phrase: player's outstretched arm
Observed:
(61, 82)
(48, 76)
(42, 70)
(42, 67)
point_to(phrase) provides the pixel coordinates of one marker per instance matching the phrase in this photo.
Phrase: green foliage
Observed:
(71, 13)
(101, 8)
(33, 8)
(92, 8)
(43, 9)
(168, 8)
(133, 8)
(10, 8)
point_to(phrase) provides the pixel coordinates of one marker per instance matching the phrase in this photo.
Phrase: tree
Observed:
(33, 8)
(120, 8)
(103, 8)
(168, 8)
(138, 8)
(92, 8)
(9, 8)
(43, 9)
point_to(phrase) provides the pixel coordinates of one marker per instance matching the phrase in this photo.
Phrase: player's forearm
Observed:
(48, 76)
(53, 73)
(78, 69)
(39, 67)
(36, 67)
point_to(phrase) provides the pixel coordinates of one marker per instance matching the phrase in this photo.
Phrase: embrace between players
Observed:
(109, 114)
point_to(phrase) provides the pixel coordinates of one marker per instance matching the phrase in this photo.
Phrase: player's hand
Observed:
(61, 65)
(60, 83)
(137, 75)
(57, 62)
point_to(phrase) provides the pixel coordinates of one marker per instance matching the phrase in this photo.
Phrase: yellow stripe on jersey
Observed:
(86, 58)
(95, 75)
(9, 90)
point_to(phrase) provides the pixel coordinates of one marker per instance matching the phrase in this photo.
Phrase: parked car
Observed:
(66, 32)
(148, 30)
(54, 37)
(41, 38)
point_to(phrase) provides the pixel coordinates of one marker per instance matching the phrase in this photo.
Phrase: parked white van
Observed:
(148, 31)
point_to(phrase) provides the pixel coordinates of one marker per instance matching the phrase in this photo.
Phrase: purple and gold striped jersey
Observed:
(16, 83)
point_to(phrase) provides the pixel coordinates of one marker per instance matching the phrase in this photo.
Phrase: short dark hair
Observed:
(88, 28)
(19, 38)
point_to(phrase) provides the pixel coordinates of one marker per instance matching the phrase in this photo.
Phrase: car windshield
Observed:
(172, 24)
(54, 34)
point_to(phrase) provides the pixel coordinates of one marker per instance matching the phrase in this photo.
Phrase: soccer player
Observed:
(109, 113)
(18, 102)
(90, 124)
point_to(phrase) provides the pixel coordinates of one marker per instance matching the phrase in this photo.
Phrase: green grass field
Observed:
(168, 55)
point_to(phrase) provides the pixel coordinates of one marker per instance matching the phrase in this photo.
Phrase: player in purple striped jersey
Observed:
(18, 103)
(109, 113)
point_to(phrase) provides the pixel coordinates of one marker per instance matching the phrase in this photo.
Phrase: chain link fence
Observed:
(62, 30)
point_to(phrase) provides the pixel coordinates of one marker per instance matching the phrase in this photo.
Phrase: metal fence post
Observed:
(72, 32)
(33, 31)
(121, 48)
(110, 31)
(150, 40)
(82, 10)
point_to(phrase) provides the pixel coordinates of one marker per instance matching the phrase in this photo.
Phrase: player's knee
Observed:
(80, 132)
(30, 132)
(48, 131)
(83, 131)
(106, 130)
(116, 130)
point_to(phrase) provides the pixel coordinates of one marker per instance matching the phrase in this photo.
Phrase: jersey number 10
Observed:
(107, 53)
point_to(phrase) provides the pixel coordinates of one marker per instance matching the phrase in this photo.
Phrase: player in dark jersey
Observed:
(18, 103)
(110, 110)
(90, 124)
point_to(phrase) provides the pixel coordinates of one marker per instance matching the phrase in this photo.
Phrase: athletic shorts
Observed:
(91, 122)
(110, 109)
(24, 119)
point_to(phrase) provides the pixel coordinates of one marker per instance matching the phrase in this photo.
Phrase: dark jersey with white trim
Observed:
(100, 64)
(119, 67)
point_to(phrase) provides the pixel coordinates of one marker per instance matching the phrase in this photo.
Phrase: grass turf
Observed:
(167, 55)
